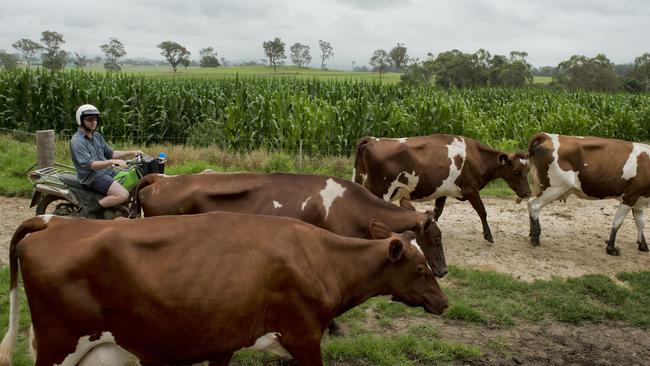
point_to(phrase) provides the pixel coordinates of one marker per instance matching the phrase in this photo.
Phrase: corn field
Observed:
(327, 116)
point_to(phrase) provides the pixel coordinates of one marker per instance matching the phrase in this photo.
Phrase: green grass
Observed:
(542, 79)
(256, 71)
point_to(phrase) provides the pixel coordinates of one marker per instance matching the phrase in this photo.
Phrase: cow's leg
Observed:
(334, 329)
(536, 204)
(222, 361)
(440, 205)
(639, 219)
(477, 204)
(305, 352)
(622, 211)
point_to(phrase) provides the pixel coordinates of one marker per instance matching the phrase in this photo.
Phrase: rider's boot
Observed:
(94, 210)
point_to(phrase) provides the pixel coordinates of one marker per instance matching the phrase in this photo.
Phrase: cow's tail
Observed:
(146, 181)
(534, 143)
(359, 169)
(9, 341)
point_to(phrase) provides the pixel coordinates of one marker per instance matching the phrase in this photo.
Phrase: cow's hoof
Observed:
(613, 251)
(489, 238)
(534, 241)
(643, 247)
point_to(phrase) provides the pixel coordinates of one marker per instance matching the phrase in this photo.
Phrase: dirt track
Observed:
(573, 236)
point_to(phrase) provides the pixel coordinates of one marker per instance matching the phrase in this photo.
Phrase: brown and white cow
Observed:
(436, 166)
(331, 203)
(591, 168)
(184, 289)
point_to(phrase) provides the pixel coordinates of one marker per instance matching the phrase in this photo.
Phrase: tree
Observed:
(28, 48)
(300, 54)
(8, 61)
(174, 53)
(274, 50)
(398, 57)
(208, 57)
(54, 57)
(455, 68)
(638, 79)
(380, 61)
(80, 60)
(417, 73)
(581, 72)
(326, 52)
(113, 50)
(185, 61)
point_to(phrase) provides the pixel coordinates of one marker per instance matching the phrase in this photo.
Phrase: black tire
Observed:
(56, 206)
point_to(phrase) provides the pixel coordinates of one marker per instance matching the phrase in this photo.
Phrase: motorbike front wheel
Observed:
(57, 206)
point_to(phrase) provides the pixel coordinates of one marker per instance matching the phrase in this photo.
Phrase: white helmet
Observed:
(85, 111)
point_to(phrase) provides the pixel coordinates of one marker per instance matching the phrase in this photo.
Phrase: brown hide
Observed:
(599, 163)
(184, 289)
(427, 156)
(418, 168)
(301, 196)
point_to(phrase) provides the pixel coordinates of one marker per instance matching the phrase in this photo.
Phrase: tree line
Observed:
(448, 69)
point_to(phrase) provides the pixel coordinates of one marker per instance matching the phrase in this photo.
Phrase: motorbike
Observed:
(57, 191)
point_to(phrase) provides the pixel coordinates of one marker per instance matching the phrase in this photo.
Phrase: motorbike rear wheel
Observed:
(57, 206)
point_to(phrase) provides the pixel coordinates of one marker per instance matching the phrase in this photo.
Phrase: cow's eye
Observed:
(420, 270)
(517, 173)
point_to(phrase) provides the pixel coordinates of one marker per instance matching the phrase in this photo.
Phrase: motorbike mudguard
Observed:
(36, 198)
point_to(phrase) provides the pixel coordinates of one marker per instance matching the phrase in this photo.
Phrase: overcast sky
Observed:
(550, 31)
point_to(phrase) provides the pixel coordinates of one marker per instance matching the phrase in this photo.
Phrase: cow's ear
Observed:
(428, 221)
(503, 159)
(404, 203)
(395, 250)
(379, 230)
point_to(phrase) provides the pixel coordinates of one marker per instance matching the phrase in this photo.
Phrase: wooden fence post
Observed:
(44, 148)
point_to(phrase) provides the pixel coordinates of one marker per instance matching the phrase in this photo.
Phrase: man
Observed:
(93, 159)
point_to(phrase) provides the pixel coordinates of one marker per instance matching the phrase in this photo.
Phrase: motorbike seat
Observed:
(72, 180)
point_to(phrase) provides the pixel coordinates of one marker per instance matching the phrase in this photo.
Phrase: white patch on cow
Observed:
(305, 203)
(523, 161)
(109, 354)
(562, 182)
(417, 246)
(46, 218)
(403, 190)
(449, 186)
(331, 192)
(364, 178)
(270, 343)
(354, 174)
(276, 204)
(585, 164)
(630, 167)
(103, 351)
(9, 340)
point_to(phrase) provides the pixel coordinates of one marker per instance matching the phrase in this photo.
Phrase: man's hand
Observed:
(136, 152)
(119, 162)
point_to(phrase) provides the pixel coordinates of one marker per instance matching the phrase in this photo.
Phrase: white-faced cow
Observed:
(185, 289)
(592, 168)
(436, 166)
(334, 204)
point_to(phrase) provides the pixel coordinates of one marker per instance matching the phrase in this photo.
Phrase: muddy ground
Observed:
(573, 244)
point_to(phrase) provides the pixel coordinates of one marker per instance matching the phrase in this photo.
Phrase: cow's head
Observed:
(513, 168)
(429, 237)
(409, 278)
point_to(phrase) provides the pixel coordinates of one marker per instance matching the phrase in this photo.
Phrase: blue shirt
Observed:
(85, 150)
